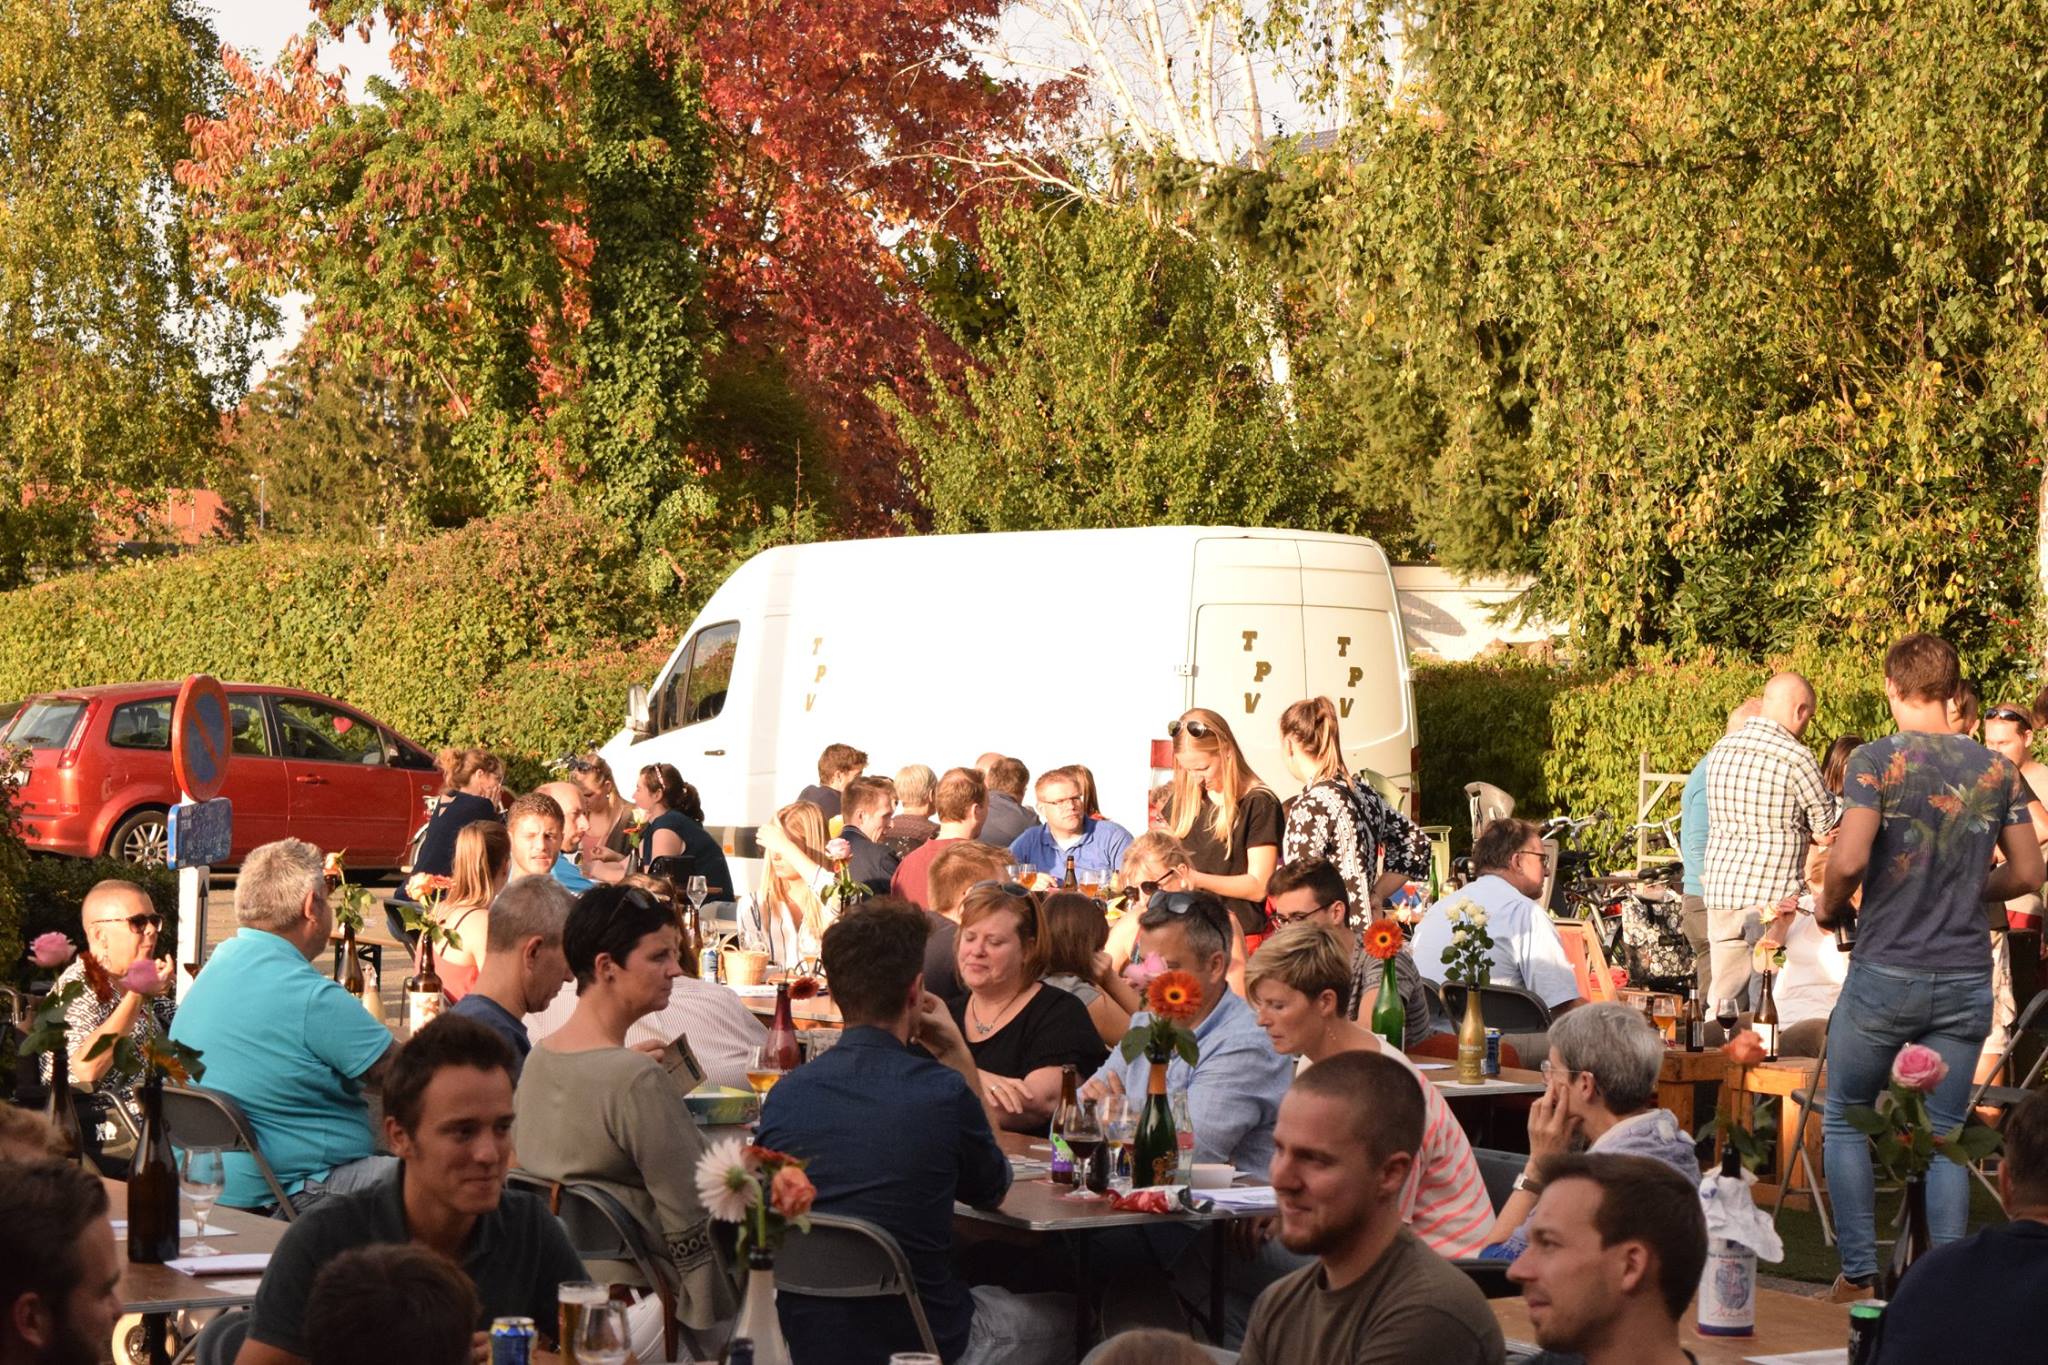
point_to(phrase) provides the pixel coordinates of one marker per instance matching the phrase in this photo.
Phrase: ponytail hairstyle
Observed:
(1312, 725)
(664, 781)
(458, 766)
(483, 850)
(1230, 779)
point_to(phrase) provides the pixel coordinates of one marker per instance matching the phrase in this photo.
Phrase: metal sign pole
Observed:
(191, 919)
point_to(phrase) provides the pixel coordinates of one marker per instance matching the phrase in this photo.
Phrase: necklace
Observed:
(982, 1030)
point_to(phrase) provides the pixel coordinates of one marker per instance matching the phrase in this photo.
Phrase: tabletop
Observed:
(160, 1289)
(1785, 1323)
(1511, 1081)
(1035, 1204)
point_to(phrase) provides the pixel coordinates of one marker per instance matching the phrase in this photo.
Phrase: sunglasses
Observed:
(1194, 727)
(1019, 891)
(1188, 903)
(139, 923)
(581, 765)
(2017, 717)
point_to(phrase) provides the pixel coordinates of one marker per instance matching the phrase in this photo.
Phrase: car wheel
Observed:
(144, 838)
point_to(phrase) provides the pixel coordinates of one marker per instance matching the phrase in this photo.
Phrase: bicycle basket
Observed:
(1653, 942)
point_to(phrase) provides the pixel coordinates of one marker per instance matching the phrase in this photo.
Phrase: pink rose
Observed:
(142, 978)
(1918, 1067)
(51, 951)
(839, 850)
(792, 1192)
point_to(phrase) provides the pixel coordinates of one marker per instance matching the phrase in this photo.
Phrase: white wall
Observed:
(1448, 617)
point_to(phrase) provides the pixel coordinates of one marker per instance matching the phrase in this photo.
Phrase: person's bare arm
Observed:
(665, 843)
(1249, 885)
(88, 1070)
(256, 1353)
(1848, 859)
(2021, 873)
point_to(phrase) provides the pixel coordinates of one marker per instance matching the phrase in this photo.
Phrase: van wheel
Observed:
(143, 838)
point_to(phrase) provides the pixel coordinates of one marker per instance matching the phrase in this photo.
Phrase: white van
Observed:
(1055, 647)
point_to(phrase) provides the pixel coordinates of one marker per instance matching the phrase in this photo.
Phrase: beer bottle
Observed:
(1072, 882)
(153, 1183)
(423, 998)
(352, 973)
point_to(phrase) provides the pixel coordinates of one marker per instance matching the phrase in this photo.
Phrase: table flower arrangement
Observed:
(844, 890)
(426, 890)
(767, 1193)
(1171, 1000)
(355, 900)
(1383, 939)
(1902, 1133)
(1469, 962)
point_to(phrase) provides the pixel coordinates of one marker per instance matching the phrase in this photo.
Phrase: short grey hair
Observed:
(536, 904)
(1617, 1047)
(275, 881)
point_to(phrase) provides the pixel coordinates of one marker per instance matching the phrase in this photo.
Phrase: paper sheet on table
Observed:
(1240, 1198)
(186, 1228)
(1838, 1356)
(1431, 1066)
(237, 1264)
(236, 1286)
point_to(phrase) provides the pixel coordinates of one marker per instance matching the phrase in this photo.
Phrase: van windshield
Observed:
(45, 723)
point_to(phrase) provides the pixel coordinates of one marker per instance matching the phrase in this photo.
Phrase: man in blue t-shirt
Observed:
(892, 1125)
(1979, 1298)
(1926, 810)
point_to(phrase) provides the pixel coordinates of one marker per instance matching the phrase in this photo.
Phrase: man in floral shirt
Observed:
(1925, 809)
(121, 928)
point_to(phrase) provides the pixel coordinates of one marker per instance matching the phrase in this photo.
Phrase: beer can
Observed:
(512, 1341)
(1490, 1064)
(707, 964)
(1866, 1324)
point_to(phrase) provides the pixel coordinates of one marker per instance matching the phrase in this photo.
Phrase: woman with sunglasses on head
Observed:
(790, 914)
(591, 1108)
(122, 927)
(1227, 819)
(1020, 1030)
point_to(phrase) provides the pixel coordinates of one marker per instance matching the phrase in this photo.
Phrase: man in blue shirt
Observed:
(1970, 1300)
(1692, 851)
(1237, 1082)
(288, 1045)
(523, 963)
(891, 1123)
(1068, 831)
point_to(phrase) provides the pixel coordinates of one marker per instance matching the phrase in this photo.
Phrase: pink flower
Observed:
(142, 978)
(1918, 1067)
(51, 951)
(1141, 972)
(792, 1192)
(839, 850)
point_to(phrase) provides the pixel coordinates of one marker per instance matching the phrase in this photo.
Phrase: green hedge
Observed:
(1485, 722)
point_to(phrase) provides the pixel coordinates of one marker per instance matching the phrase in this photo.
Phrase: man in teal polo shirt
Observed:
(287, 1044)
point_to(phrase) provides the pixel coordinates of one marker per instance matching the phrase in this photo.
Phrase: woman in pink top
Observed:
(1297, 981)
(483, 857)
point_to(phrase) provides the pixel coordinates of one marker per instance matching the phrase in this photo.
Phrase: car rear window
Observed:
(141, 725)
(45, 724)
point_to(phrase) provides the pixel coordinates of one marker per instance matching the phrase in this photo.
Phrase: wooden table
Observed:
(1679, 1078)
(1479, 1108)
(157, 1291)
(1511, 1081)
(1785, 1323)
(1779, 1078)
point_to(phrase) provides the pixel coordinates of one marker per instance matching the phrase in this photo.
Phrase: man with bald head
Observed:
(1692, 849)
(1766, 802)
(121, 926)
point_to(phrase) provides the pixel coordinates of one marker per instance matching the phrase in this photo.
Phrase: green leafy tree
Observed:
(115, 363)
(1120, 380)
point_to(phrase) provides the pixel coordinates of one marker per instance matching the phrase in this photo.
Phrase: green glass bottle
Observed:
(1155, 1148)
(1389, 1015)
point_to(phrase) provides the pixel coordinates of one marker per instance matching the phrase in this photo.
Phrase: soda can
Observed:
(707, 964)
(1866, 1325)
(1490, 1064)
(512, 1341)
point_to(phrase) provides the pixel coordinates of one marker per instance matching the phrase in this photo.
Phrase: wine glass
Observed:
(697, 889)
(1119, 1126)
(764, 1068)
(601, 1334)
(203, 1175)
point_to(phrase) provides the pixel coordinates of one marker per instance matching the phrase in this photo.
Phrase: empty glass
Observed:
(203, 1175)
(602, 1337)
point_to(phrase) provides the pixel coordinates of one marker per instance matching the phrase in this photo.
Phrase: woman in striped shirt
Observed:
(1296, 981)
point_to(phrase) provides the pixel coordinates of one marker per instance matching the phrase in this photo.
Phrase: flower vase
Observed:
(1472, 1041)
(1915, 1240)
(1389, 1015)
(758, 1321)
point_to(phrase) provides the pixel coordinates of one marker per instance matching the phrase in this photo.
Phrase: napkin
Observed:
(1733, 1216)
(1242, 1198)
(240, 1263)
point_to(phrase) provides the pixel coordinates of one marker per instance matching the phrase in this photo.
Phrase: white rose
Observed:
(1479, 918)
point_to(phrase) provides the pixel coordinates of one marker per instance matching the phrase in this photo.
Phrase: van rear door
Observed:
(1248, 642)
(1357, 655)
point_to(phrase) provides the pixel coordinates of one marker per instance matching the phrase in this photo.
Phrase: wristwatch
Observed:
(1528, 1183)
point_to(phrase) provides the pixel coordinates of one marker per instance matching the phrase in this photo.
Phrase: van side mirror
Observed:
(637, 718)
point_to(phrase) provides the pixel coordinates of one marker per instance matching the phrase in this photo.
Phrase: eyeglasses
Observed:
(1073, 800)
(1546, 1068)
(2017, 717)
(139, 923)
(1536, 853)
(1193, 727)
(581, 765)
(1302, 917)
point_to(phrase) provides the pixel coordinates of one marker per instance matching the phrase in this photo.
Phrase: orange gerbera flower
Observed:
(1174, 995)
(1383, 939)
(803, 988)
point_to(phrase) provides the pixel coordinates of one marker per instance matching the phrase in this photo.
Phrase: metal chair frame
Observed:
(226, 1127)
(1807, 1099)
(883, 1273)
(633, 1245)
(1507, 1008)
(2004, 1097)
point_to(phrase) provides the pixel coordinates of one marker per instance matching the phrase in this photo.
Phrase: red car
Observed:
(99, 776)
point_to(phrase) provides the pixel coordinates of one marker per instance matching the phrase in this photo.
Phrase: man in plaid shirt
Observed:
(1765, 803)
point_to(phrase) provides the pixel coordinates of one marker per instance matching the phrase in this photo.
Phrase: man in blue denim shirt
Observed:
(1236, 1085)
(1925, 809)
(892, 1124)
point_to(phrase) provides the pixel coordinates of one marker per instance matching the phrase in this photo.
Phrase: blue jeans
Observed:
(1882, 1009)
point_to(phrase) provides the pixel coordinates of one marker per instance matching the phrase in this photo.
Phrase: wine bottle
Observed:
(1695, 1021)
(1155, 1148)
(153, 1182)
(352, 973)
(423, 998)
(1766, 1022)
(1068, 1109)
(782, 1033)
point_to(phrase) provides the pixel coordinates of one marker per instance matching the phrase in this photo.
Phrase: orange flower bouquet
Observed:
(1172, 1000)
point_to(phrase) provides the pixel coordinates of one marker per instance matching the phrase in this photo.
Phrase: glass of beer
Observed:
(572, 1300)
(764, 1069)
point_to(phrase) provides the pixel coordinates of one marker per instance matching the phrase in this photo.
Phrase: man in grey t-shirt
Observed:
(1344, 1150)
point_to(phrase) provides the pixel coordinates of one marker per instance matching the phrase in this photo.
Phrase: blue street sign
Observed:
(200, 832)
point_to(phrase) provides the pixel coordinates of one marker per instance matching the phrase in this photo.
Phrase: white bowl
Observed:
(1212, 1175)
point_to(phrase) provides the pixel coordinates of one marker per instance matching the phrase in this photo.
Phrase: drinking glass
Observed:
(764, 1069)
(697, 889)
(1119, 1126)
(1022, 874)
(203, 1175)
(602, 1337)
(1727, 1013)
(573, 1299)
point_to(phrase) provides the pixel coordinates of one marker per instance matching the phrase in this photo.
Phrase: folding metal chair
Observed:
(207, 1118)
(850, 1258)
(1499, 1171)
(1807, 1099)
(600, 1228)
(1507, 1008)
(2004, 1097)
